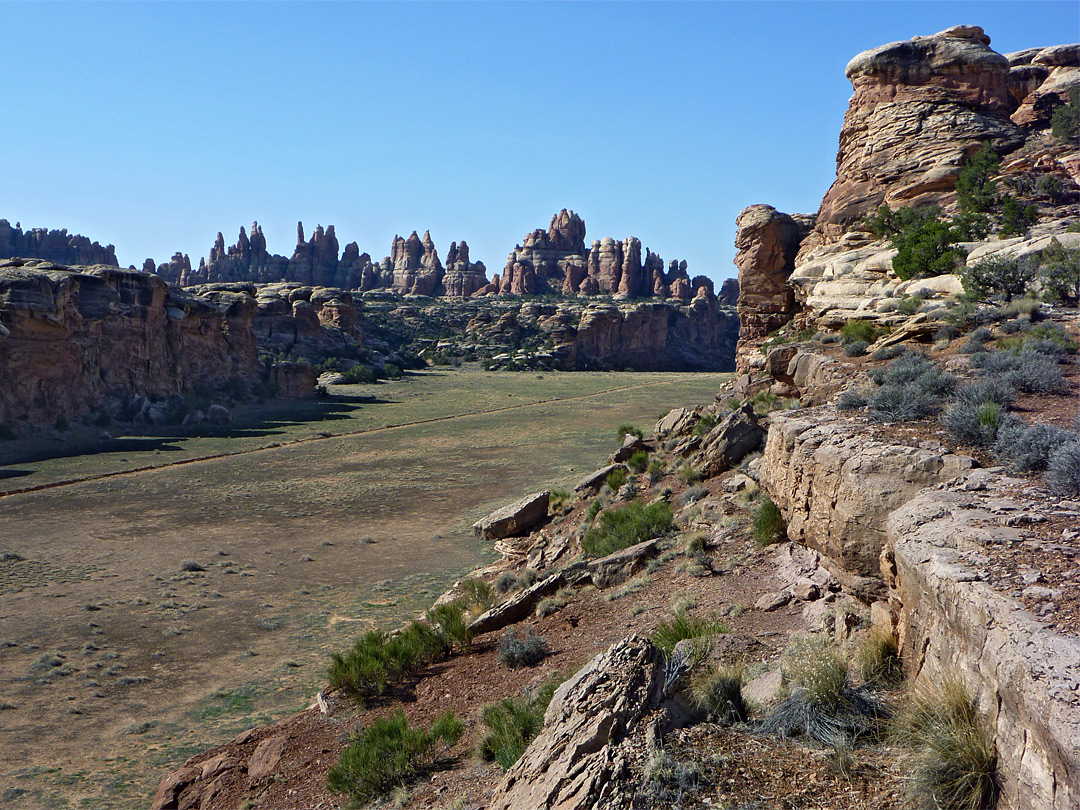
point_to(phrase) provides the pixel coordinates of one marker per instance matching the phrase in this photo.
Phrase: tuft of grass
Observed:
(684, 626)
(479, 595)
(389, 753)
(717, 691)
(855, 331)
(506, 582)
(626, 429)
(451, 620)
(553, 604)
(688, 475)
(816, 665)
(769, 526)
(526, 651)
(656, 468)
(632, 586)
(560, 502)
(623, 527)
(693, 494)
(638, 462)
(877, 659)
(953, 754)
(705, 424)
(377, 660)
(512, 724)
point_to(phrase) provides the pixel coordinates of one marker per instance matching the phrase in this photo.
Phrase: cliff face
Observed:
(69, 337)
(53, 246)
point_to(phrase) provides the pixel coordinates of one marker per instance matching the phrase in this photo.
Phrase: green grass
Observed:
(684, 626)
(769, 526)
(389, 753)
(512, 724)
(377, 660)
(626, 526)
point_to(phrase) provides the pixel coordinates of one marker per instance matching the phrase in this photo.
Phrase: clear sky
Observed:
(155, 125)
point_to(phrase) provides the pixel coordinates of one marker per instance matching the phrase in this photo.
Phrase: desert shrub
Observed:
(360, 374)
(625, 430)
(888, 353)
(505, 582)
(717, 691)
(769, 526)
(638, 462)
(910, 304)
(991, 389)
(1027, 448)
(855, 331)
(976, 341)
(672, 783)
(1049, 333)
(856, 349)
(1017, 218)
(1050, 185)
(1065, 121)
(656, 468)
(479, 595)
(877, 659)
(1063, 469)
(953, 754)
(451, 620)
(976, 190)
(526, 651)
(616, 478)
(822, 705)
(512, 724)
(683, 626)
(851, 399)
(901, 402)
(527, 578)
(971, 227)
(693, 494)
(1027, 371)
(389, 753)
(688, 475)
(377, 660)
(1060, 274)
(998, 276)
(764, 402)
(974, 423)
(925, 244)
(594, 509)
(623, 527)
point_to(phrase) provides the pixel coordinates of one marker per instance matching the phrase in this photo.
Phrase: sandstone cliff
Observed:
(52, 246)
(71, 336)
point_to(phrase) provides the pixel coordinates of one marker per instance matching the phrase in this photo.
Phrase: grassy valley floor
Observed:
(161, 592)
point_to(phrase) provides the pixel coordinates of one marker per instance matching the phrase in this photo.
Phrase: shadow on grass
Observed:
(273, 421)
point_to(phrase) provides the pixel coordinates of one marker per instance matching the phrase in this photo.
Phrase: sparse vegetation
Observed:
(528, 650)
(513, 723)
(684, 626)
(638, 462)
(953, 754)
(693, 494)
(453, 622)
(860, 332)
(998, 277)
(909, 388)
(717, 691)
(1065, 121)
(376, 660)
(1024, 448)
(553, 604)
(877, 659)
(560, 502)
(625, 526)
(625, 430)
(616, 478)
(856, 349)
(1063, 469)
(389, 753)
(769, 526)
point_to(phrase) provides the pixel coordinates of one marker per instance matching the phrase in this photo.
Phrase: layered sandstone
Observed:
(58, 247)
(71, 336)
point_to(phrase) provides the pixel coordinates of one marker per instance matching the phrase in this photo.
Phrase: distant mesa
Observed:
(59, 247)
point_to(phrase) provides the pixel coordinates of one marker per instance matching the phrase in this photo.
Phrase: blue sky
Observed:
(154, 125)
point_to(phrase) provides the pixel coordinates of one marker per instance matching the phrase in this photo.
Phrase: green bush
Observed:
(625, 430)
(478, 594)
(626, 526)
(656, 468)
(856, 349)
(638, 462)
(706, 423)
(594, 509)
(954, 756)
(452, 621)
(997, 275)
(925, 248)
(560, 502)
(360, 374)
(513, 723)
(976, 190)
(376, 660)
(1060, 274)
(1051, 186)
(389, 753)
(910, 304)
(1017, 218)
(854, 331)
(1065, 122)
(769, 524)
(616, 478)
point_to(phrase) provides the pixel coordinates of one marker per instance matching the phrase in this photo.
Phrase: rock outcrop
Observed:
(919, 108)
(72, 336)
(516, 518)
(593, 735)
(556, 261)
(58, 247)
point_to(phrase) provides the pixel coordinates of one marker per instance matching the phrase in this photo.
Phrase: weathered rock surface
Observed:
(518, 607)
(836, 487)
(58, 247)
(1024, 676)
(74, 335)
(517, 518)
(594, 480)
(919, 108)
(729, 442)
(294, 380)
(584, 756)
(621, 564)
(767, 242)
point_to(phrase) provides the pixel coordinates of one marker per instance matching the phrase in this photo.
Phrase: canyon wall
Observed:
(69, 337)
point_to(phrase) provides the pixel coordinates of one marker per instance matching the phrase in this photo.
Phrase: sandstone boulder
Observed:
(294, 380)
(518, 607)
(595, 480)
(730, 441)
(515, 519)
(621, 564)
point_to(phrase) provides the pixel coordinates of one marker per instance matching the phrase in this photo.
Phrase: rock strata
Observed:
(58, 247)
